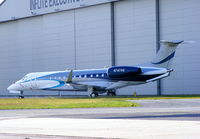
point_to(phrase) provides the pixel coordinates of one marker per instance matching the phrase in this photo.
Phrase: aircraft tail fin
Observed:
(165, 55)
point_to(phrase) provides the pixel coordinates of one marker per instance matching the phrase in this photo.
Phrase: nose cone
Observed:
(13, 87)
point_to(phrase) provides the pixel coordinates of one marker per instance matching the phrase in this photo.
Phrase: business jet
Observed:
(105, 80)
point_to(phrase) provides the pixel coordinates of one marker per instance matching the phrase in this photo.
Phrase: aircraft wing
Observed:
(118, 84)
(85, 83)
(100, 84)
(103, 84)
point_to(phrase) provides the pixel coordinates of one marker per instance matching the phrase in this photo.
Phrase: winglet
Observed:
(69, 79)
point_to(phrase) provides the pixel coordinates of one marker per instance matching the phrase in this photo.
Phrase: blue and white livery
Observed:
(105, 80)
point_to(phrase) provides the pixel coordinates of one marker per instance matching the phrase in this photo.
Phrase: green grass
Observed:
(59, 103)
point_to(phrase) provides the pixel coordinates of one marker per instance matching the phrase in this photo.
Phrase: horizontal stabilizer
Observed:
(173, 43)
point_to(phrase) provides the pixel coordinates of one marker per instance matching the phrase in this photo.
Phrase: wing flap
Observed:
(99, 84)
(116, 85)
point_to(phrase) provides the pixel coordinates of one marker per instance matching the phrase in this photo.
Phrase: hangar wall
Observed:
(57, 41)
(135, 35)
(82, 38)
(93, 39)
(180, 20)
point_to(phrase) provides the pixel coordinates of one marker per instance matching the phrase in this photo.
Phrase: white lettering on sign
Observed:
(40, 4)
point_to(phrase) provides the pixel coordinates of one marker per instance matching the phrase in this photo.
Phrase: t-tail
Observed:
(165, 55)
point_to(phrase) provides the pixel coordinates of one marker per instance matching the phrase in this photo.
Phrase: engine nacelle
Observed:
(123, 71)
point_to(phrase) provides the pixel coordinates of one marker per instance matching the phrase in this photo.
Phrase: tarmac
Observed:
(178, 118)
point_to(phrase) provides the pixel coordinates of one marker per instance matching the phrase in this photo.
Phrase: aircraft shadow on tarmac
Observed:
(156, 117)
(178, 116)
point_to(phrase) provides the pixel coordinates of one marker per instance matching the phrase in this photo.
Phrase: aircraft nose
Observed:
(12, 87)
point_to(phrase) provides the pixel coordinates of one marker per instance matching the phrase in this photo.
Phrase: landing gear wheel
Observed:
(93, 95)
(111, 93)
(21, 95)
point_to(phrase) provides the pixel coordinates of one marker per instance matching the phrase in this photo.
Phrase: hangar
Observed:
(49, 35)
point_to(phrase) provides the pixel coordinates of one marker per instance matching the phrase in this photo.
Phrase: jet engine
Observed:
(123, 71)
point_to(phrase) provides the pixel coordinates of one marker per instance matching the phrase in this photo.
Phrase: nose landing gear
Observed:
(21, 96)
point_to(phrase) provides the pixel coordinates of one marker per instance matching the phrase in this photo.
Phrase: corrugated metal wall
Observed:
(65, 40)
(93, 41)
(135, 38)
(180, 20)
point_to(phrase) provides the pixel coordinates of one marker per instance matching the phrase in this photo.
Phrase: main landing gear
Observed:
(94, 93)
(111, 93)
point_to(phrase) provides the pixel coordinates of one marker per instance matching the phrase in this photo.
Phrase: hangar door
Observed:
(93, 37)
(41, 43)
(18, 38)
(180, 21)
(135, 30)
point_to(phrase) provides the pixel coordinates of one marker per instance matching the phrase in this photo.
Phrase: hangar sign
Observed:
(39, 7)
(16, 9)
(39, 4)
